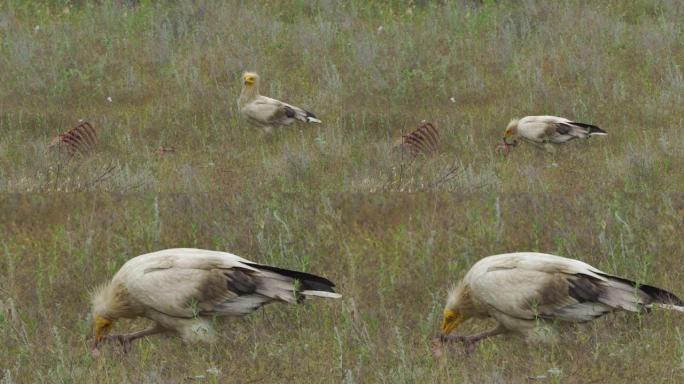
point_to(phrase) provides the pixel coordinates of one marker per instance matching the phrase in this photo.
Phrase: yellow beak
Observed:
(249, 81)
(451, 321)
(102, 327)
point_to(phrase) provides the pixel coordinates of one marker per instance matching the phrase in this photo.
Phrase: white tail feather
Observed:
(671, 307)
(622, 295)
(331, 295)
(312, 120)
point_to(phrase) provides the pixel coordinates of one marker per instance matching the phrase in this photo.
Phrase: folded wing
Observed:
(221, 286)
(561, 289)
(555, 129)
(266, 111)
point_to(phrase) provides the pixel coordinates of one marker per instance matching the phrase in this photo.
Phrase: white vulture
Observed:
(265, 112)
(181, 290)
(527, 292)
(542, 130)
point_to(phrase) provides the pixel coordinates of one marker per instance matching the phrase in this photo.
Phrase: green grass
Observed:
(333, 199)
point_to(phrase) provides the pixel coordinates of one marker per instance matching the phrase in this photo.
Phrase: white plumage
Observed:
(525, 291)
(181, 289)
(266, 112)
(549, 130)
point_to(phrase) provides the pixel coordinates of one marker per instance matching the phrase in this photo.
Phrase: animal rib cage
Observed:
(79, 140)
(424, 140)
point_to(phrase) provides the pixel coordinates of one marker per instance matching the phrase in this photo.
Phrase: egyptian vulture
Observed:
(265, 112)
(526, 292)
(181, 290)
(544, 130)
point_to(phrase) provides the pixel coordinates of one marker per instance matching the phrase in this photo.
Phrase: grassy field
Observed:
(334, 199)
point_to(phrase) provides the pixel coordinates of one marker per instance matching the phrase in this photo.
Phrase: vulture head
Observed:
(102, 326)
(109, 303)
(458, 309)
(511, 131)
(250, 79)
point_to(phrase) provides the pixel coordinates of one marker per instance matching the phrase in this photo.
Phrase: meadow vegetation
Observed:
(334, 199)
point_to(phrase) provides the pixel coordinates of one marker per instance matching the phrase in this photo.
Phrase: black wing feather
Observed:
(590, 128)
(658, 295)
(307, 280)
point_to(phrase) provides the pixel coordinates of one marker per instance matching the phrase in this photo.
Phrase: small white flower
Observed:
(213, 371)
(381, 28)
(452, 99)
(36, 28)
(109, 98)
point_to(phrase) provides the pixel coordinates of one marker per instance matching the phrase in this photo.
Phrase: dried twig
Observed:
(450, 174)
(108, 172)
(164, 150)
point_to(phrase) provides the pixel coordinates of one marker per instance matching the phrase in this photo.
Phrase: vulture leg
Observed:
(125, 340)
(541, 146)
(536, 144)
(471, 340)
(548, 147)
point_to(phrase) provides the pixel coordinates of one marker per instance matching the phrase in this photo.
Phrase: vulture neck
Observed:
(514, 129)
(463, 302)
(112, 302)
(249, 93)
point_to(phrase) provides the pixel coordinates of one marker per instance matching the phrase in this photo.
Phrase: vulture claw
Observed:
(439, 344)
(504, 146)
(125, 342)
(95, 352)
